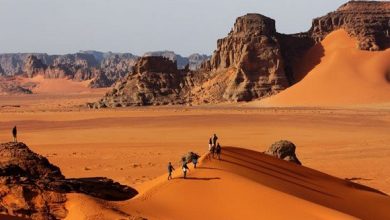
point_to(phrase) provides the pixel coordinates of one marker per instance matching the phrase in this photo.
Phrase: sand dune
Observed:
(58, 86)
(245, 185)
(342, 75)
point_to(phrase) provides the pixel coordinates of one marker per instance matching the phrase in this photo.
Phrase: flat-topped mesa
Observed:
(368, 21)
(253, 51)
(154, 81)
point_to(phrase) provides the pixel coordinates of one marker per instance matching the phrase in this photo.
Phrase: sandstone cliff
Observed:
(368, 21)
(252, 58)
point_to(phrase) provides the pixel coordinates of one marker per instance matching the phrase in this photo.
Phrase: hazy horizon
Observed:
(182, 26)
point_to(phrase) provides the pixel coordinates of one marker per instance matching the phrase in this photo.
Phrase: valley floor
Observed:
(133, 145)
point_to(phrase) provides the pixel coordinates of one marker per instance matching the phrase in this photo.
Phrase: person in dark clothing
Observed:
(170, 170)
(15, 133)
(195, 160)
(185, 169)
(212, 151)
(218, 151)
(215, 138)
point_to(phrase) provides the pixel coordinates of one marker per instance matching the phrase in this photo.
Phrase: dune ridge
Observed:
(246, 184)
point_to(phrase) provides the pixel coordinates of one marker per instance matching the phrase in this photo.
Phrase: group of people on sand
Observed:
(214, 149)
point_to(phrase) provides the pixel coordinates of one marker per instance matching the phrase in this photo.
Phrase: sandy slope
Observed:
(344, 75)
(245, 185)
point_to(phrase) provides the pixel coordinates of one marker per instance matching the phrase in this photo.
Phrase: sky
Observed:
(138, 26)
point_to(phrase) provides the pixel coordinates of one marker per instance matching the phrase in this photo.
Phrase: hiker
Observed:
(14, 134)
(185, 168)
(195, 160)
(212, 151)
(215, 138)
(210, 147)
(218, 150)
(170, 170)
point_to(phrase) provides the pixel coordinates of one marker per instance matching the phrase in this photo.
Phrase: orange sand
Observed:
(345, 75)
(244, 185)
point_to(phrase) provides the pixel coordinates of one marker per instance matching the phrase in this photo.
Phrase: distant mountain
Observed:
(193, 61)
(104, 68)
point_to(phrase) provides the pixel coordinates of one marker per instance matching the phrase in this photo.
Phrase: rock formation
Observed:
(284, 150)
(252, 55)
(31, 187)
(33, 66)
(153, 81)
(368, 21)
(26, 184)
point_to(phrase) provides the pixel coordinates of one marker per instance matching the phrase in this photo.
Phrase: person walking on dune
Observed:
(15, 133)
(170, 170)
(195, 160)
(215, 138)
(185, 169)
(210, 147)
(218, 151)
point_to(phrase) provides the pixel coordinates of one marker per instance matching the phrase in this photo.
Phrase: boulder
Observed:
(284, 150)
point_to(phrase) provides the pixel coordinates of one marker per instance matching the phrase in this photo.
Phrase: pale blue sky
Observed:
(137, 26)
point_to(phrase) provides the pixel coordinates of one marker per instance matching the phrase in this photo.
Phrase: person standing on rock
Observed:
(218, 151)
(15, 133)
(170, 170)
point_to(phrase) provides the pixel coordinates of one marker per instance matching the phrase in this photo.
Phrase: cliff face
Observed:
(252, 52)
(368, 21)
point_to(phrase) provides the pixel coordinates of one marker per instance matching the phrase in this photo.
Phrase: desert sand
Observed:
(133, 146)
(334, 73)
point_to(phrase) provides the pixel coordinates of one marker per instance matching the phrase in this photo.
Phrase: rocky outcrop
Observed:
(284, 150)
(368, 21)
(27, 182)
(252, 56)
(32, 187)
(153, 81)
